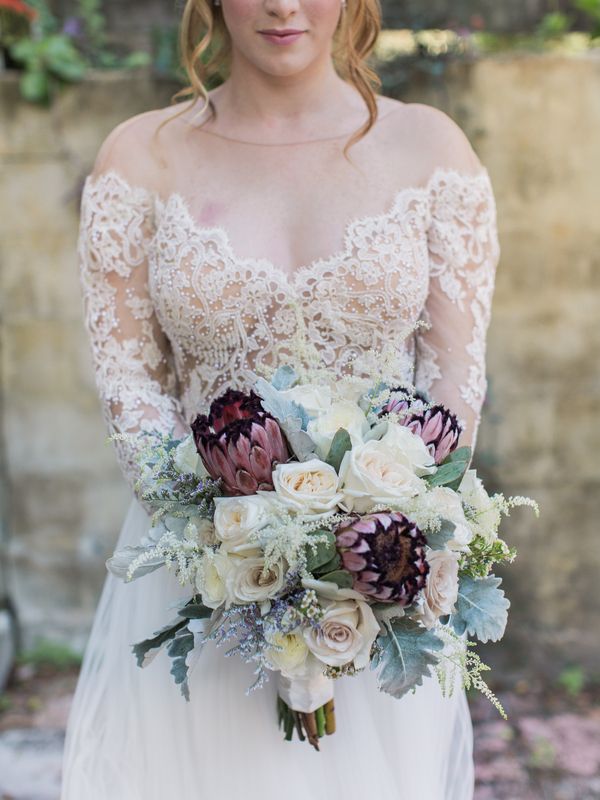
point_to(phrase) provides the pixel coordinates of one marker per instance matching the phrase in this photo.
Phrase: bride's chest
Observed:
(204, 291)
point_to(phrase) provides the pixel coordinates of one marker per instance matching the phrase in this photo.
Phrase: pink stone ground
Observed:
(549, 749)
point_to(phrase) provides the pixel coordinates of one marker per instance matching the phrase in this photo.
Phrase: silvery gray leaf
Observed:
(439, 539)
(280, 407)
(377, 431)
(300, 442)
(118, 564)
(284, 378)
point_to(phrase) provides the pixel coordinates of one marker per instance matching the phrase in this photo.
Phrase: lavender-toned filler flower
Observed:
(385, 552)
(436, 426)
(240, 443)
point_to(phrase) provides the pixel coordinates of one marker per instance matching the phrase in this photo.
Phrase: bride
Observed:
(293, 190)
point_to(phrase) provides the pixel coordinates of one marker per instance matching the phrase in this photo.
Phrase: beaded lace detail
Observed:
(175, 316)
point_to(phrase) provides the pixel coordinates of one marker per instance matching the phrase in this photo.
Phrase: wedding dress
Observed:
(175, 316)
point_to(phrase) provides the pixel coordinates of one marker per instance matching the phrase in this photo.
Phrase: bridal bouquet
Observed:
(324, 525)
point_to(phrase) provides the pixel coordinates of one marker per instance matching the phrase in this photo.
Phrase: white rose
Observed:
(441, 590)
(342, 414)
(291, 660)
(485, 517)
(199, 529)
(307, 486)
(409, 448)
(236, 517)
(372, 473)
(186, 457)
(212, 577)
(314, 399)
(248, 583)
(344, 634)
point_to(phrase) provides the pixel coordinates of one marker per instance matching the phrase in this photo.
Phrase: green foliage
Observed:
(339, 446)
(483, 555)
(553, 25)
(451, 470)
(47, 63)
(47, 653)
(573, 680)
(590, 8)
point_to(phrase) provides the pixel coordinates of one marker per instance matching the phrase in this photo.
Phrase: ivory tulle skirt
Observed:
(132, 736)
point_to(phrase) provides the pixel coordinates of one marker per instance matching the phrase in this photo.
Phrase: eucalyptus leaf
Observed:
(447, 474)
(339, 446)
(284, 378)
(439, 539)
(481, 608)
(320, 553)
(331, 566)
(408, 651)
(179, 649)
(340, 576)
(147, 650)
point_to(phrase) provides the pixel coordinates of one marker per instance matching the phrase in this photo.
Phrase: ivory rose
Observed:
(373, 473)
(211, 578)
(344, 634)
(342, 414)
(307, 486)
(291, 659)
(248, 584)
(441, 590)
(485, 518)
(237, 517)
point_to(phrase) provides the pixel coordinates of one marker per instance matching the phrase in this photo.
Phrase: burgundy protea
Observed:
(240, 443)
(385, 552)
(438, 427)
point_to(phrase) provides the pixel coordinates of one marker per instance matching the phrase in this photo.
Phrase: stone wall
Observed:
(535, 122)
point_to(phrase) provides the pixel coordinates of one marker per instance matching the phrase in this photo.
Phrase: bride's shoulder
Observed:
(428, 137)
(138, 148)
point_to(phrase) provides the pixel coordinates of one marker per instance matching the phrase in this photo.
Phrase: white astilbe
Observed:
(183, 554)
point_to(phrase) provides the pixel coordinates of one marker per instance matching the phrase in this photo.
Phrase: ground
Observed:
(549, 749)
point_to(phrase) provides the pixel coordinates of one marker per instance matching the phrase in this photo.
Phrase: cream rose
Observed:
(344, 634)
(248, 583)
(314, 399)
(373, 473)
(409, 449)
(307, 486)
(441, 591)
(342, 414)
(486, 517)
(291, 659)
(212, 577)
(186, 457)
(236, 517)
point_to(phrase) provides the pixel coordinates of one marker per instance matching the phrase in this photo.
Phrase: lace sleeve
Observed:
(130, 352)
(463, 255)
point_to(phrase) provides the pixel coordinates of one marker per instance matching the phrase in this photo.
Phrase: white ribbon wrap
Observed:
(306, 693)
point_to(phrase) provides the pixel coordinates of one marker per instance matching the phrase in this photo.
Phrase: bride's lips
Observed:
(281, 37)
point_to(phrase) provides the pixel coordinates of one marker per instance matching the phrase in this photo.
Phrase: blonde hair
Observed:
(205, 47)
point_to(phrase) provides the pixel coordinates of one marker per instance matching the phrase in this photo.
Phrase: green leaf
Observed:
(331, 566)
(407, 654)
(481, 608)
(451, 470)
(147, 650)
(339, 446)
(35, 86)
(439, 539)
(179, 649)
(320, 553)
(340, 576)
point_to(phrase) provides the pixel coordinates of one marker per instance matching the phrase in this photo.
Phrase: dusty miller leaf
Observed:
(408, 651)
(179, 649)
(147, 650)
(481, 608)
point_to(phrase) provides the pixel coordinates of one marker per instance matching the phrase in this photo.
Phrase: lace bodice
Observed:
(175, 316)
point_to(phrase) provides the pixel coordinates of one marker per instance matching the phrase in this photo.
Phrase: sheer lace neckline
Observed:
(399, 200)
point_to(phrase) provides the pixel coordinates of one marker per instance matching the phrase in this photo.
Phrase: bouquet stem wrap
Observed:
(307, 693)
